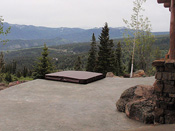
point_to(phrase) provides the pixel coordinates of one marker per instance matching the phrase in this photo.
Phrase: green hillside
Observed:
(64, 56)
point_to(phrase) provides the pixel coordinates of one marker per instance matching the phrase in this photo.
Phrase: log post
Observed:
(172, 31)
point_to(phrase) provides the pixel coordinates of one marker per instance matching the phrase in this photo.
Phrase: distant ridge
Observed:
(27, 36)
(30, 32)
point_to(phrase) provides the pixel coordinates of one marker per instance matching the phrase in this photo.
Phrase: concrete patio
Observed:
(43, 105)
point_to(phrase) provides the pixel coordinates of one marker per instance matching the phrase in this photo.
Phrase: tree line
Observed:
(9, 72)
(104, 57)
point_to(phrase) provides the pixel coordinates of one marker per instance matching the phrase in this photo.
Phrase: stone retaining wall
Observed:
(164, 88)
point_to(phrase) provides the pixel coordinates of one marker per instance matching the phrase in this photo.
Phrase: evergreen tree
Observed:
(2, 63)
(25, 72)
(78, 65)
(13, 67)
(104, 63)
(44, 65)
(118, 61)
(92, 59)
(111, 58)
(18, 74)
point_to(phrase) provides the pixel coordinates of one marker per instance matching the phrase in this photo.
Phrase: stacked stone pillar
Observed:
(164, 88)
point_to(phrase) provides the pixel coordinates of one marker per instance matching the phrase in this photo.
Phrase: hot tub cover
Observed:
(81, 77)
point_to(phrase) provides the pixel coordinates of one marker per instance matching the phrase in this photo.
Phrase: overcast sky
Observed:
(80, 13)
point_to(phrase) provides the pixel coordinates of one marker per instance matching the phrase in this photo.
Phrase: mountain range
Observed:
(27, 36)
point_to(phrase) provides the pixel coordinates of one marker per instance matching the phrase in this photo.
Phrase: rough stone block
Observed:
(169, 69)
(172, 95)
(169, 66)
(159, 112)
(164, 94)
(172, 83)
(171, 106)
(172, 76)
(166, 76)
(158, 63)
(169, 89)
(173, 99)
(159, 75)
(169, 117)
(158, 86)
(167, 99)
(165, 105)
(161, 104)
(160, 68)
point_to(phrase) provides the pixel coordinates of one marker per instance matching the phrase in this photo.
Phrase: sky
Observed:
(80, 13)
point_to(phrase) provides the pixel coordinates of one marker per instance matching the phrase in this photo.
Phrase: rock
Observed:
(138, 103)
(139, 73)
(16, 83)
(2, 84)
(144, 92)
(13, 83)
(3, 87)
(110, 74)
(126, 97)
(141, 110)
(126, 75)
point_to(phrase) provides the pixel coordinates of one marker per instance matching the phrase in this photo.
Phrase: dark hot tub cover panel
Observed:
(81, 77)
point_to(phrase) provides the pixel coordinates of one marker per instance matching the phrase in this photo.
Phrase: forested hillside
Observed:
(64, 56)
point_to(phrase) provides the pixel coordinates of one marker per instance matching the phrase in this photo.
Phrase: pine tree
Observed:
(118, 61)
(44, 65)
(13, 67)
(111, 67)
(2, 63)
(92, 59)
(18, 74)
(104, 63)
(78, 64)
(25, 72)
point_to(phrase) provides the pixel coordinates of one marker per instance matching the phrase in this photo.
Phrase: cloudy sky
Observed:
(80, 13)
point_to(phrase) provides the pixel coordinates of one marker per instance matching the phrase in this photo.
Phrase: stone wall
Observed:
(164, 88)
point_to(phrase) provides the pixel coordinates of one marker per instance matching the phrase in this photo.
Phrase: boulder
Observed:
(126, 97)
(138, 103)
(3, 87)
(141, 110)
(16, 83)
(126, 75)
(139, 73)
(2, 84)
(13, 83)
(110, 74)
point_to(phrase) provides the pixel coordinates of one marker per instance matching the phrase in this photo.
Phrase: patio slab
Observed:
(44, 105)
